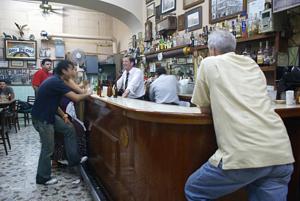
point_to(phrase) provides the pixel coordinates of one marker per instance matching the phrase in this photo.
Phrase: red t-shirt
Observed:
(39, 77)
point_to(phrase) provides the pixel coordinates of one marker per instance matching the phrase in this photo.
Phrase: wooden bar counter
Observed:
(143, 151)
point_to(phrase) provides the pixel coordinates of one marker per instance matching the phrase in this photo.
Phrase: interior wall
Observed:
(73, 21)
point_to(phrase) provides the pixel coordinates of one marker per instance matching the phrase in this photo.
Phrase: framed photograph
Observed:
(190, 3)
(148, 1)
(181, 22)
(150, 10)
(157, 13)
(167, 6)
(193, 19)
(20, 50)
(31, 65)
(221, 10)
(3, 64)
(16, 64)
(148, 31)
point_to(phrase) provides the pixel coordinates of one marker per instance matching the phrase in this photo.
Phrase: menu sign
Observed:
(20, 50)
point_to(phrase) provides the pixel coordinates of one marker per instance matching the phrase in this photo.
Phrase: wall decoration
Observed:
(150, 10)
(157, 13)
(3, 64)
(221, 10)
(31, 65)
(190, 3)
(148, 31)
(17, 64)
(16, 76)
(20, 50)
(181, 22)
(193, 19)
(167, 6)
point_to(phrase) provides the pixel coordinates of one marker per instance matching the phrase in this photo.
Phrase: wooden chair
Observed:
(26, 111)
(11, 116)
(4, 133)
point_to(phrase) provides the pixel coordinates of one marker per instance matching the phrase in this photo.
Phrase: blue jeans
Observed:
(263, 184)
(46, 132)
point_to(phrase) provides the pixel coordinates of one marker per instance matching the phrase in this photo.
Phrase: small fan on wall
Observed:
(78, 57)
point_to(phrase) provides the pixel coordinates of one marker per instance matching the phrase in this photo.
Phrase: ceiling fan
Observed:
(47, 8)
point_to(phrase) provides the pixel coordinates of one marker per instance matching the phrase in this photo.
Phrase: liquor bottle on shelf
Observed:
(266, 53)
(238, 27)
(246, 52)
(244, 28)
(233, 29)
(192, 40)
(260, 56)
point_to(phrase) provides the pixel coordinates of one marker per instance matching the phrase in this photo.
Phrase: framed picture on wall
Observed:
(31, 64)
(3, 64)
(221, 10)
(167, 6)
(181, 22)
(16, 64)
(193, 19)
(190, 3)
(20, 50)
(150, 10)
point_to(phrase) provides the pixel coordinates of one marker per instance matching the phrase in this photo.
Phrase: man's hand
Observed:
(126, 93)
(66, 119)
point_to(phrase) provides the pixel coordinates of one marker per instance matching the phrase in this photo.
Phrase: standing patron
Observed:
(254, 150)
(164, 88)
(131, 83)
(45, 120)
(41, 74)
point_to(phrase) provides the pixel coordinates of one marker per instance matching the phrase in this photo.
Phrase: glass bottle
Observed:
(99, 88)
(115, 92)
(192, 40)
(266, 53)
(260, 56)
(238, 27)
(109, 90)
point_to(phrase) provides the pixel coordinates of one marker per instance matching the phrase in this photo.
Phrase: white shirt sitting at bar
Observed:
(164, 89)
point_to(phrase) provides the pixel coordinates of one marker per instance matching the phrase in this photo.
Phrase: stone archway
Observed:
(127, 11)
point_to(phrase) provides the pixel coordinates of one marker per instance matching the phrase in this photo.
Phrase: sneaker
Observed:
(49, 182)
(83, 159)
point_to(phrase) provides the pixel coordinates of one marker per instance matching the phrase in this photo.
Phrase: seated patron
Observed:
(131, 83)
(6, 90)
(164, 88)
(254, 150)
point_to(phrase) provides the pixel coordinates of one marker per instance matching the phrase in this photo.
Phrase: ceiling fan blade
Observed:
(58, 13)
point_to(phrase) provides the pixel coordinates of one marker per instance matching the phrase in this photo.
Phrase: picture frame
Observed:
(193, 19)
(167, 6)
(150, 10)
(191, 3)
(157, 13)
(31, 65)
(148, 31)
(221, 10)
(16, 64)
(3, 64)
(181, 22)
(20, 50)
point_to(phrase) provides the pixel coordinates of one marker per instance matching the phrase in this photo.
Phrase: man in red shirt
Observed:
(41, 74)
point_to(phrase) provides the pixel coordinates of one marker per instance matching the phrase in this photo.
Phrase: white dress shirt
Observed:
(164, 89)
(135, 83)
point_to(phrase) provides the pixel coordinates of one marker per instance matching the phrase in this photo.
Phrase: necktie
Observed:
(126, 81)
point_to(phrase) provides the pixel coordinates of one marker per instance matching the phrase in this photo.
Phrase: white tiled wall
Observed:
(21, 92)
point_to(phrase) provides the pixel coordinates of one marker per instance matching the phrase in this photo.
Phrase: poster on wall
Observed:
(20, 50)
(16, 76)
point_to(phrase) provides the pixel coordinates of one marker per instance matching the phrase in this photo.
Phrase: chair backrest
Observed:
(30, 99)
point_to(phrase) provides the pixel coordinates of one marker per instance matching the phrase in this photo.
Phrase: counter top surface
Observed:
(147, 106)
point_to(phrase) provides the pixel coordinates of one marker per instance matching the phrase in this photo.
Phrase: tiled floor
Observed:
(18, 170)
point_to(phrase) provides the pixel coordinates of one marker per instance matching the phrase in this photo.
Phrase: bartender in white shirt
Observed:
(164, 88)
(132, 80)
